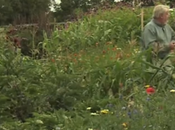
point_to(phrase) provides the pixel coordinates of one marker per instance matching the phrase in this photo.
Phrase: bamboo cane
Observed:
(142, 15)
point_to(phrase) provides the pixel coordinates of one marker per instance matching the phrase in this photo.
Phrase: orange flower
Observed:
(104, 51)
(53, 60)
(118, 56)
(75, 54)
(114, 48)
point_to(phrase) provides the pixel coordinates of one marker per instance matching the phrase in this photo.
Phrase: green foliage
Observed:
(109, 26)
(95, 63)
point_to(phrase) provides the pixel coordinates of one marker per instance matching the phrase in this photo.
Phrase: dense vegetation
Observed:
(33, 11)
(92, 76)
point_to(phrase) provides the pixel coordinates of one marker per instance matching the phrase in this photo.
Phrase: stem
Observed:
(158, 70)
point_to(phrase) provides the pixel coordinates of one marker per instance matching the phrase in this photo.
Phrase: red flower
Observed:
(150, 90)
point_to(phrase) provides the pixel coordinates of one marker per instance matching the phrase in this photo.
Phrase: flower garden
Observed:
(92, 77)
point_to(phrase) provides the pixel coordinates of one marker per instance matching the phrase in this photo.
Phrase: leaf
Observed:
(107, 32)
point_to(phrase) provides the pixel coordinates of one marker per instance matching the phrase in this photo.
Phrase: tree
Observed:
(23, 10)
(31, 9)
(67, 7)
(5, 12)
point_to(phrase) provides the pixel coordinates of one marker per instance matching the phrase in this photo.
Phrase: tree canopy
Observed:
(22, 10)
(31, 11)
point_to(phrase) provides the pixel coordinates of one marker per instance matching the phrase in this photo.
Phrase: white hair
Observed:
(159, 10)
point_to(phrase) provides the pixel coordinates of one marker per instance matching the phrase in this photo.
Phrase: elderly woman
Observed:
(159, 36)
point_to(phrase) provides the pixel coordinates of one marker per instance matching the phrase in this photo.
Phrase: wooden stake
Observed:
(142, 15)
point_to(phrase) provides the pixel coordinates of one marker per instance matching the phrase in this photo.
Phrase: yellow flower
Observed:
(125, 125)
(105, 111)
(90, 129)
(172, 91)
(147, 86)
(89, 108)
